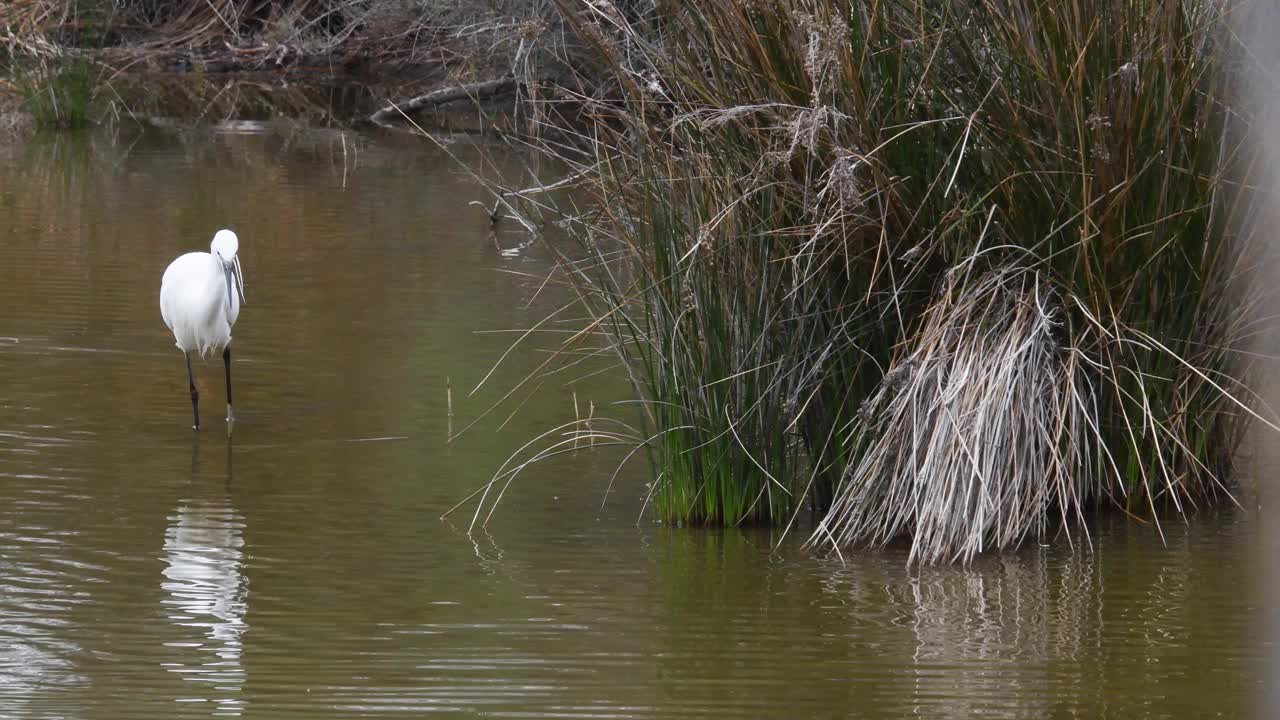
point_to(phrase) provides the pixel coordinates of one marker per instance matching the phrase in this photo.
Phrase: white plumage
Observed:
(200, 298)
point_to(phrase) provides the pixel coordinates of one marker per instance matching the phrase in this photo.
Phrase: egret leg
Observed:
(226, 361)
(195, 396)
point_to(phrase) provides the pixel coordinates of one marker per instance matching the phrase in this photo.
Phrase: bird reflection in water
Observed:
(206, 591)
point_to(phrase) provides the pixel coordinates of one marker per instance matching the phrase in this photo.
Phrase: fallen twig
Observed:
(474, 91)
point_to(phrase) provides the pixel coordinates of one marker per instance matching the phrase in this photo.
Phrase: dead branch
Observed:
(473, 91)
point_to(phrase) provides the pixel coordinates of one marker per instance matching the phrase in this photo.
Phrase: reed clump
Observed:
(952, 272)
(60, 95)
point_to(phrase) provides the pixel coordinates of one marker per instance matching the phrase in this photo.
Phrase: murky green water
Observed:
(300, 568)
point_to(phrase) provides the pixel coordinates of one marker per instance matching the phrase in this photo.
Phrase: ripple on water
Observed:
(299, 569)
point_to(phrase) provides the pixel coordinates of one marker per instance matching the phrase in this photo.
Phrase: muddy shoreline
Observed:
(326, 95)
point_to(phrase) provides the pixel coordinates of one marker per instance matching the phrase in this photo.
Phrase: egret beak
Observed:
(239, 279)
(235, 281)
(229, 275)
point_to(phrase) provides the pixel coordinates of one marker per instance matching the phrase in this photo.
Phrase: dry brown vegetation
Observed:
(401, 46)
(152, 53)
(259, 33)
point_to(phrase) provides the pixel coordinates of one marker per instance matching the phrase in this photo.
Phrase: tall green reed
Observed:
(950, 271)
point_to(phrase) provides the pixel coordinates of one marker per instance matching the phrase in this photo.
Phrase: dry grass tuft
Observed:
(989, 417)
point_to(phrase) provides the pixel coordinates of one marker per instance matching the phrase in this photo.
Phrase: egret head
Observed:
(225, 245)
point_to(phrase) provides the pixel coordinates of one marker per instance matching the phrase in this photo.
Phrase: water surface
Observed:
(299, 568)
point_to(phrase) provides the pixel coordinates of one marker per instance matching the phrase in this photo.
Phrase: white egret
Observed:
(199, 303)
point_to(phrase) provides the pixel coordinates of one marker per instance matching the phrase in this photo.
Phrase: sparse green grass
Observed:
(60, 96)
